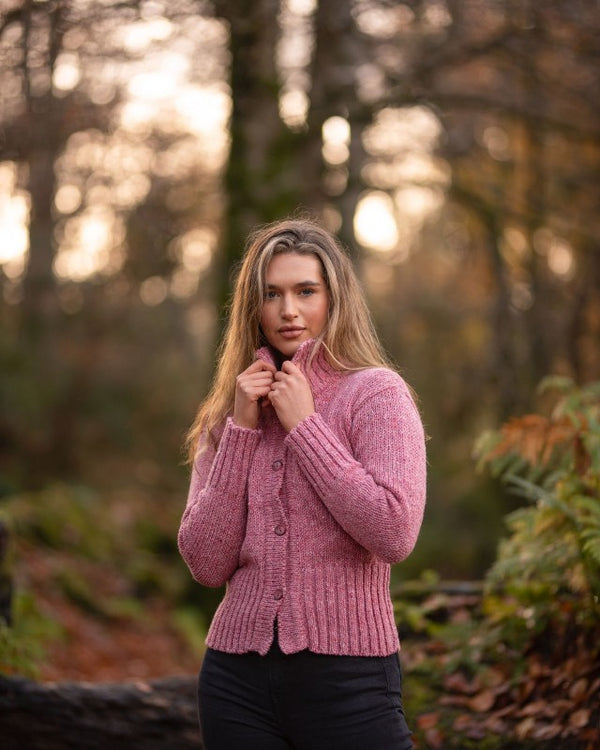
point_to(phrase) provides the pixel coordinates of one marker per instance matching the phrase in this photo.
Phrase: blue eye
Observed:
(270, 294)
(307, 292)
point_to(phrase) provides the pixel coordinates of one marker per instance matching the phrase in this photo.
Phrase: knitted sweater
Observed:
(303, 526)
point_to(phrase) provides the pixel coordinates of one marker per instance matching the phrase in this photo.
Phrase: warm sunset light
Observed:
(442, 452)
(374, 222)
(14, 216)
(67, 72)
(159, 94)
(336, 139)
(87, 245)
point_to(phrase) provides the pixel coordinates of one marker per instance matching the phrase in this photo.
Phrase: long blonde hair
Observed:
(349, 338)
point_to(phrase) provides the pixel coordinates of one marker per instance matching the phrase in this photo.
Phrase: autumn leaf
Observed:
(494, 677)
(579, 690)
(458, 683)
(462, 722)
(534, 437)
(483, 701)
(534, 708)
(495, 724)
(525, 728)
(580, 718)
(547, 732)
(427, 721)
(434, 738)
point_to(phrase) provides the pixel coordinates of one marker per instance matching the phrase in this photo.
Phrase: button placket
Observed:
(279, 529)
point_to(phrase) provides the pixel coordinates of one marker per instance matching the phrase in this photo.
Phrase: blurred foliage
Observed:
(454, 146)
(79, 559)
(519, 660)
(24, 644)
(553, 551)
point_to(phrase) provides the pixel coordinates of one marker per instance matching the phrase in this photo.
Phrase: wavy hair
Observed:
(349, 338)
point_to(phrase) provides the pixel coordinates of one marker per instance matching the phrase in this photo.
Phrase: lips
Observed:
(290, 332)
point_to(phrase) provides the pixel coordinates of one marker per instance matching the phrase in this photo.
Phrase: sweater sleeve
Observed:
(376, 491)
(214, 521)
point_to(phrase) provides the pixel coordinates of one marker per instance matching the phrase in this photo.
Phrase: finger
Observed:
(260, 364)
(251, 389)
(275, 399)
(258, 378)
(256, 367)
(289, 367)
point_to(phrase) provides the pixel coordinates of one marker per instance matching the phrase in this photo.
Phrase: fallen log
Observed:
(156, 715)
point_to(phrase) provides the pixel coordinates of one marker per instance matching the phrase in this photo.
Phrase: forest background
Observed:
(454, 146)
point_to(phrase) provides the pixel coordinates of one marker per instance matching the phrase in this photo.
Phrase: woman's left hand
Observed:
(291, 396)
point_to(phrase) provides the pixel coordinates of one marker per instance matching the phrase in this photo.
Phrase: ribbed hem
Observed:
(333, 610)
(349, 611)
(237, 617)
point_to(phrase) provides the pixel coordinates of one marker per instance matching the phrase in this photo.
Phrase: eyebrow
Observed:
(299, 284)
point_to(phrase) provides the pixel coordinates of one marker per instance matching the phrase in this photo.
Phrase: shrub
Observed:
(550, 562)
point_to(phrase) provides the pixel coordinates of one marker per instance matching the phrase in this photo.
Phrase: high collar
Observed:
(320, 374)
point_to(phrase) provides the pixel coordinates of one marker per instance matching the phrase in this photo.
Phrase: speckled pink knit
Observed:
(303, 526)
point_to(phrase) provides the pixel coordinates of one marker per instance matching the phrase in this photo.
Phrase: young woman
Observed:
(308, 482)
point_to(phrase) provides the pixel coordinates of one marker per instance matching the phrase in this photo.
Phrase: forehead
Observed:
(293, 268)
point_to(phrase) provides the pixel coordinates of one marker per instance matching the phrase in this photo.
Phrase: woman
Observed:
(308, 481)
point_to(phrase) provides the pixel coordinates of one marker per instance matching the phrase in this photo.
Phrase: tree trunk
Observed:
(37, 139)
(43, 142)
(339, 51)
(504, 367)
(261, 180)
(158, 715)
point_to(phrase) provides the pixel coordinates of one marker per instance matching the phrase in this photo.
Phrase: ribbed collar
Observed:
(321, 375)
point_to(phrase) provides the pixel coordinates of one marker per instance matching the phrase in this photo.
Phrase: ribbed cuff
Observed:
(318, 451)
(232, 461)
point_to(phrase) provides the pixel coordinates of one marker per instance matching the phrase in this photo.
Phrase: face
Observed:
(296, 303)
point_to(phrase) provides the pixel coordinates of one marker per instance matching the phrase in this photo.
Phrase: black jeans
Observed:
(301, 701)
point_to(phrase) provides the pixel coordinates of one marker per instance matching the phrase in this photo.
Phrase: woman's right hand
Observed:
(251, 386)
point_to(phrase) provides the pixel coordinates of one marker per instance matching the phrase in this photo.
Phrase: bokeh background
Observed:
(454, 146)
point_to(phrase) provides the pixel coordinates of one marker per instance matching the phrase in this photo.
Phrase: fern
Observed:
(553, 463)
(591, 546)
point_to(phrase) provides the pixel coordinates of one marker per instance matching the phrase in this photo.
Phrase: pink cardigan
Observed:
(303, 526)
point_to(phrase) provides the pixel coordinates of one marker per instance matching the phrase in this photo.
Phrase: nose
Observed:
(288, 307)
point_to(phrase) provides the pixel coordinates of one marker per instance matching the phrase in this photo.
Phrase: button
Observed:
(276, 465)
(280, 530)
(278, 594)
